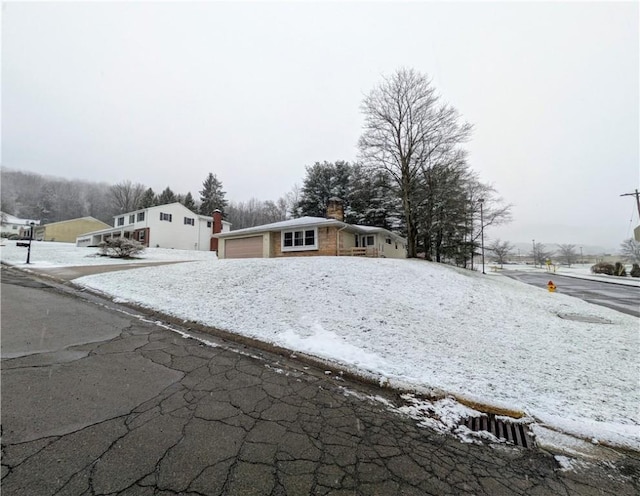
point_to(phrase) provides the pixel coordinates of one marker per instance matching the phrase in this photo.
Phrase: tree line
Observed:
(33, 196)
(566, 254)
(412, 176)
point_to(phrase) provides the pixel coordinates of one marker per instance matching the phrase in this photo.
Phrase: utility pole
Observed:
(637, 195)
(534, 253)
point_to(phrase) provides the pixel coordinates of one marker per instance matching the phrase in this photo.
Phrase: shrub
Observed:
(619, 270)
(603, 268)
(120, 248)
(635, 270)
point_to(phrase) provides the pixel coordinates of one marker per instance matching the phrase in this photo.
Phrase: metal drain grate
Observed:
(513, 433)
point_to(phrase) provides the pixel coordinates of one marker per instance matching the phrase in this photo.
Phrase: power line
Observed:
(637, 195)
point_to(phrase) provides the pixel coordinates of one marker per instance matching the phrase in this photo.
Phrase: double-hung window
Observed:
(121, 221)
(132, 219)
(300, 240)
(189, 221)
(164, 216)
(140, 216)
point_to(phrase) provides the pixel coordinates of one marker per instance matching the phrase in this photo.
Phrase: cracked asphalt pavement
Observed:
(96, 401)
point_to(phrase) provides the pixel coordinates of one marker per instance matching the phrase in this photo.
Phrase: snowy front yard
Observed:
(415, 323)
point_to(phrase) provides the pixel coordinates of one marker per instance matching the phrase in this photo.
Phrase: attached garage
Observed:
(244, 247)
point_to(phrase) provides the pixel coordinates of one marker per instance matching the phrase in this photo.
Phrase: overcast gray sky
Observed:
(164, 93)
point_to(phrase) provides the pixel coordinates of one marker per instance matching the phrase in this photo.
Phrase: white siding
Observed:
(171, 234)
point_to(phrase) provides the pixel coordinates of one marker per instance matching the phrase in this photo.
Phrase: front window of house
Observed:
(368, 241)
(299, 240)
(121, 221)
(140, 216)
(189, 221)
(166, 217)
(132, 219)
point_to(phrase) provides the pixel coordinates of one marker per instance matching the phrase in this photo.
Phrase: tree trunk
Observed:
(409, 217)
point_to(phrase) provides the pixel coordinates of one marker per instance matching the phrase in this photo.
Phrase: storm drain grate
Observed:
(516, 434)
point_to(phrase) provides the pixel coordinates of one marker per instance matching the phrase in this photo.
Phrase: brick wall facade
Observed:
(142, 236)
(326, 244)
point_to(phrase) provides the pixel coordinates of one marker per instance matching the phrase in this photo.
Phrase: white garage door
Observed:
(243, 248)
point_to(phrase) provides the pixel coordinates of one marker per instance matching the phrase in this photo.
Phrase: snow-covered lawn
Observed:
(46, 254)
(415, 323)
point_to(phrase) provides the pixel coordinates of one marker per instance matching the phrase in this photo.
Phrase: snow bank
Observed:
(420, 323)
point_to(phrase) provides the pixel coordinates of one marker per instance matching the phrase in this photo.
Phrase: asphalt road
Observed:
(624, 299)
(96, 401)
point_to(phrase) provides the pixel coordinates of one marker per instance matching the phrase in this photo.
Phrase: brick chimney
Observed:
(216, 228)
(335, 209)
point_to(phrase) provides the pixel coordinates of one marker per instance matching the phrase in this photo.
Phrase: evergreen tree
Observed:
(189, 202)
(323, 181)
(442, 205)
(372, 200)
(212, 196)
(148, 199)
(167, 196)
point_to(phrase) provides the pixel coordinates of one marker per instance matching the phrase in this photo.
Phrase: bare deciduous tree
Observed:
(126, 196)
(501, 250)
(541, 254)
(568, 253)
(495, 211)
(254, 213)
(407, 129)
(630, 251)
(292, 200)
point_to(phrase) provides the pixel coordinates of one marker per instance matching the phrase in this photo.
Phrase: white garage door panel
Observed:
(243, 248)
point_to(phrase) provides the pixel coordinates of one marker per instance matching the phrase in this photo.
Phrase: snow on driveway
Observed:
(417, 323)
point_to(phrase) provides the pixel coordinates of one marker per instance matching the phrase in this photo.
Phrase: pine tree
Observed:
(148, 199)
(167, 196)
(212, 196)
(189, 202)
(372, 200)
(323, 181)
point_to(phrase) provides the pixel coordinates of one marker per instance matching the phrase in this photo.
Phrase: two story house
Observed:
(164, 226)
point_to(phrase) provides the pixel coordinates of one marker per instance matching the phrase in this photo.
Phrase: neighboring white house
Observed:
(164, 226)
(13, 226)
